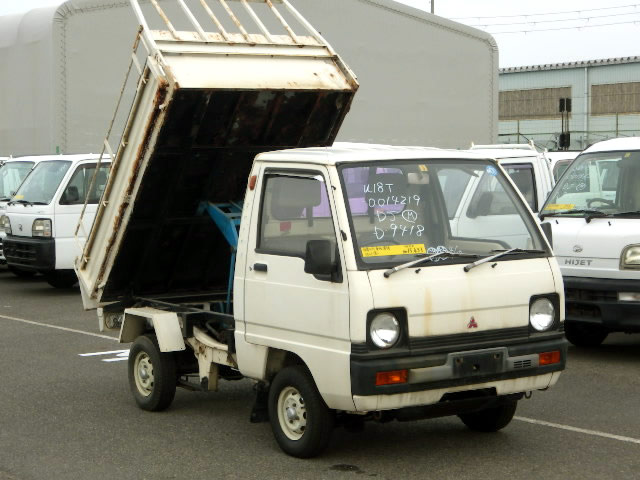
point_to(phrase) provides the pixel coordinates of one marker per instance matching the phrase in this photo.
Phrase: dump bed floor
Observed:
(204, 152)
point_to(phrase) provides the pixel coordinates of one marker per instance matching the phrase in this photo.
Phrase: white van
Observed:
(478, 204)
(41, 218)
(12, 173)
(594, 211)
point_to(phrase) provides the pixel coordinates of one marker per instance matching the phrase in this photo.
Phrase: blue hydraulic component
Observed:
(226, 216)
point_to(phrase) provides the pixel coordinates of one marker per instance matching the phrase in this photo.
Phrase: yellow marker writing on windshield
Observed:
(388, 250)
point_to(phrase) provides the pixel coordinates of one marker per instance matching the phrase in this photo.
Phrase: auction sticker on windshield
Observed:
(389, 250)
(560, 206)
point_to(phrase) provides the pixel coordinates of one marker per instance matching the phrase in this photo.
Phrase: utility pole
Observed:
(432, 5)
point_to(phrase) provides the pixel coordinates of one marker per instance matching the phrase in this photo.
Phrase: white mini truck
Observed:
(329, 275)
(351, 299)
(594, 211)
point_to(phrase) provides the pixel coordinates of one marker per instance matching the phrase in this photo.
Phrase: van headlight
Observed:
(630, 258)
(542, 314)
(5, 224)
(41, 228)
(384, 330)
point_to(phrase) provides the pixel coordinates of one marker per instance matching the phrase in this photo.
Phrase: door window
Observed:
(295, 209)
(523, 177)
(77, 190)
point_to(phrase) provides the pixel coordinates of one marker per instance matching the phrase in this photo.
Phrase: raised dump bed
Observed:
(205, 105)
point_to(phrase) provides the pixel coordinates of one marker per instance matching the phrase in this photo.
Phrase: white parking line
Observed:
(579, 430)
(73, 330)
(120, 355)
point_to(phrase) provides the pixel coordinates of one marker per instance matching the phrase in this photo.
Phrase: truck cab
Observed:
(41, 218)
(594, 211)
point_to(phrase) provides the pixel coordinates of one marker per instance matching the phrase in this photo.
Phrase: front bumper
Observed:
(34, 254)
(431, 369)
(595, 301)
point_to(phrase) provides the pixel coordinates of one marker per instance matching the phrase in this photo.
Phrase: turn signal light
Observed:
(548, 358)
(392, 377)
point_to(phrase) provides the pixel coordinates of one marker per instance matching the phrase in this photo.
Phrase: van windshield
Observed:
(404, 209)
(598, 184)
(11, 176)
(42, 184)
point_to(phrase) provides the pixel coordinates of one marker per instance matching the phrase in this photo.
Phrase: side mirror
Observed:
(71, 195)
(318, 262)
(548, 232)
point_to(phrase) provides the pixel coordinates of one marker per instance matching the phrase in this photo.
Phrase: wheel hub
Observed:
(292, 413)
(144, 374)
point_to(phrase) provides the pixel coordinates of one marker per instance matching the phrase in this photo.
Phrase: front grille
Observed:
(573, 310)
(472, 339)
(582, 295)
(522, 364)
(20, 253)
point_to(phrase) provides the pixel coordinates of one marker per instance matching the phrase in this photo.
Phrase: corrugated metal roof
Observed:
(577, 64)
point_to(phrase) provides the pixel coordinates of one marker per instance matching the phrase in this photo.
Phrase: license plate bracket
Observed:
(477, 364)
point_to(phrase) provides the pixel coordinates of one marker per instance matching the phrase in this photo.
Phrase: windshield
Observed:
(11, 176)
(402, 209)
(598, 183)
(42, 184)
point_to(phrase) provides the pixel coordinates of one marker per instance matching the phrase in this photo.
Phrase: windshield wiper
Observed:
(589, 213)
(424, 258)
(631, 213)
(501, 253)
(26, 202)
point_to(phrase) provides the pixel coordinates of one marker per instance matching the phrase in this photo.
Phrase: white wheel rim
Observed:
(292, 413)
(143, 373)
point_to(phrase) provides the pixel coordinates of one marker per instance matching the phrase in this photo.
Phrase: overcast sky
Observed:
(528, 32)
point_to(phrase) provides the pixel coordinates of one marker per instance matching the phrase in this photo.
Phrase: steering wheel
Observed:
(610, 203)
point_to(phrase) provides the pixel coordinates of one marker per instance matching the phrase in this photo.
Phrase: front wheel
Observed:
(152, 374)
(490, 419)
(61, 278)
(583, 335)
(300, 420)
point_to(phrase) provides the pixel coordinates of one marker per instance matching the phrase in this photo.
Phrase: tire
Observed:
(61, 278)
(18, 272)
(301, 421)
(152, 374)
(583, 335)
(490, 419)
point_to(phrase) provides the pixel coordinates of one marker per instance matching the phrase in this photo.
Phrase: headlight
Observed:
(5, 224)
(384, 330)
(630, 257)
(542, 314)
(41, 228)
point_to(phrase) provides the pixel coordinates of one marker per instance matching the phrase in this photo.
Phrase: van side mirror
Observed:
(318, 262)
(70, 195)
(548, 232)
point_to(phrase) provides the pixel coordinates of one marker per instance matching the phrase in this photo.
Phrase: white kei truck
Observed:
(328, 275)
(41, 218)
(594, 211)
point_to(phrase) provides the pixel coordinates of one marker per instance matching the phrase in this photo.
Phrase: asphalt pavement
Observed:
(66, 413)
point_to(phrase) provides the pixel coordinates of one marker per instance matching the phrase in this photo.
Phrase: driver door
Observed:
(285, 307)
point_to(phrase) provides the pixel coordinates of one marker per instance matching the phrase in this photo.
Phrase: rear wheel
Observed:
(18, 272)
(490, 419)
(301, 421)
(152, 374)
(584, 335)
(61, 278)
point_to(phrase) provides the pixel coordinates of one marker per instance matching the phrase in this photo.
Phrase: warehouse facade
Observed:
(604, 102)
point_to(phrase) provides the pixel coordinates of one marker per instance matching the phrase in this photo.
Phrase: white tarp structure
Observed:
(424, 80)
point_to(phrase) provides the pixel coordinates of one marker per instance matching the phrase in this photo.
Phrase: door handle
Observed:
(260, 267)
